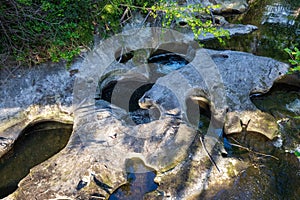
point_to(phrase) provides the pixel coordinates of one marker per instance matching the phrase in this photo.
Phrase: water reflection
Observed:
(278, 25)
(282, 101)
(168, 62)
(36, 144)
(140, 181)
(278, 13)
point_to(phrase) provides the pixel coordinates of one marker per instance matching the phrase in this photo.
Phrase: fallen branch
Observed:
(209, 156)
(248, 149)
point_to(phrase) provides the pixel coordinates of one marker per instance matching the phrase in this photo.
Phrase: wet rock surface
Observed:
(233, 6)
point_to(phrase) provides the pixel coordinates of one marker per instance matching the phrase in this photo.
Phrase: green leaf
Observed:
(288, 50)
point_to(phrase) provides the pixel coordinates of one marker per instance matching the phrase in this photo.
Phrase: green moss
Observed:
(231, 170)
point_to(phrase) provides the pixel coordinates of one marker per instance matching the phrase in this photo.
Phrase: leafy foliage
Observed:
(295, 58)
(297, 153)
(33, 31)
(197, 17)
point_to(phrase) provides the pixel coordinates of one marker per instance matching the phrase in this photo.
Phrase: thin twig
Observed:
(246, 148)
(209, 156)
(145, 19)
(121, 54)
(124, 15)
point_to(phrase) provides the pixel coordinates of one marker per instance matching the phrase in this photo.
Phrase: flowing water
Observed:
(283, 102)
(275, 170)
(278, 23)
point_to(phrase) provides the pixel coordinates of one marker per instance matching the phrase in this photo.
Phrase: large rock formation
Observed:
(35, 94)
(93, 164)
(226, 79)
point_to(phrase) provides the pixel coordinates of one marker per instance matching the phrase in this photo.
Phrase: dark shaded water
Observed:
(36, 144)
(281, 101)
(275, 169)
(126, 93)
(278, 25)
(140, 181)
(267, 178)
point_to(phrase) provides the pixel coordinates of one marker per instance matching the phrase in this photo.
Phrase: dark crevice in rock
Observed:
(107, 91)
(118, 89)
(198, 113)
(126, 94)
(182, 23)
(136, 95)
(125, 57)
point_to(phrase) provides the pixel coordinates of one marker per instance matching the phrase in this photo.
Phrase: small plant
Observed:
(297, 153)
(295, 59)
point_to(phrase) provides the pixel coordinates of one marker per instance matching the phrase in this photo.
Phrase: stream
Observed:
(278, 25)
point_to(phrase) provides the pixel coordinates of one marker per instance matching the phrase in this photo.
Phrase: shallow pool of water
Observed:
(36, 144)
(140, 181)
(168, 62)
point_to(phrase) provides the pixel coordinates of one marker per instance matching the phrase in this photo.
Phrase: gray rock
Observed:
(241, 74)
(102, 139)
(233, 30)
(40, 93)
(294, 106)
(227, 6)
